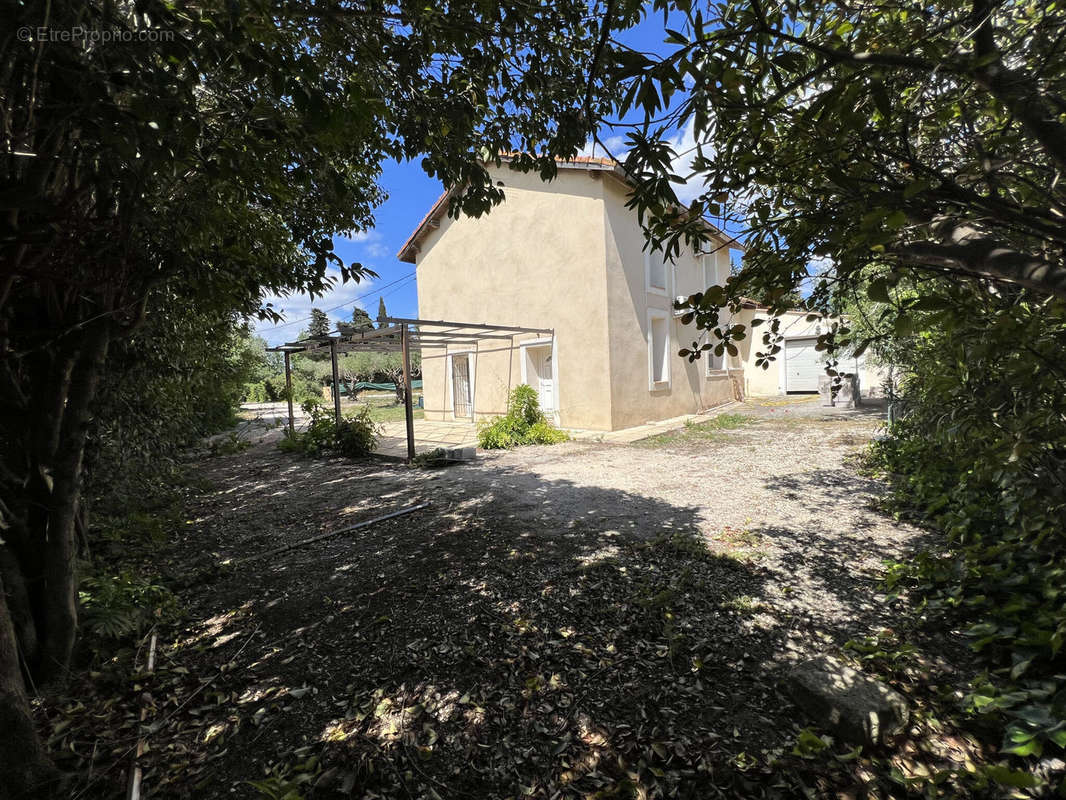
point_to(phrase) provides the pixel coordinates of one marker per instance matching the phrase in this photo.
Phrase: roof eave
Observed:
(409, 251)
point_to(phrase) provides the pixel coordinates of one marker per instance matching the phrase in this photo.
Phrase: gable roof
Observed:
(431, 220)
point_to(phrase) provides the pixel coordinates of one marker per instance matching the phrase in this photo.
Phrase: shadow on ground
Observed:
(485, 647)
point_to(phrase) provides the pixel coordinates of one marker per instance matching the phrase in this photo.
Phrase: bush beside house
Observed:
(524, 423)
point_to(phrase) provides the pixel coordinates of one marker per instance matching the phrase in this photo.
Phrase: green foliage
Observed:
(116, 606)
(437, 457)
(180, 378)
(497, 435)
(979, 454)
(287, 782)
(258, 392)
(361, 319)
(808, 744)
(377, 367)
(543, 432)
(524, 424)
(355, 437)
(523, 405)
(320, 324)
(799, 122)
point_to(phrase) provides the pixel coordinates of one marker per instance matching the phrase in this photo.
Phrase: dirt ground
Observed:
(570, 621)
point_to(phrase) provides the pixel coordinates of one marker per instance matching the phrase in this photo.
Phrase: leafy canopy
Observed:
(851, 144)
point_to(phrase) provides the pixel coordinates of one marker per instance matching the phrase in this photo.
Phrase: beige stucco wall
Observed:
(690, 388)
(537, 260)
(567, 255)
(760, 382)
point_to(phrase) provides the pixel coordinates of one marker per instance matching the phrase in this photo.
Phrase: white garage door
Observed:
(803, 365)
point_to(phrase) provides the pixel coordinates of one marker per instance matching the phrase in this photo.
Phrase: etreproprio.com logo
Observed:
(92, 35)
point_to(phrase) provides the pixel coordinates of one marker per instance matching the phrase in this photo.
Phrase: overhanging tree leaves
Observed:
(901, 163)
(215, 150)
(856, 136)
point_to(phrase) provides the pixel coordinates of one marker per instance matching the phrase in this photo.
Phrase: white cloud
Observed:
(373, 243)
(616, 146)
(684, 144)
(296, 308)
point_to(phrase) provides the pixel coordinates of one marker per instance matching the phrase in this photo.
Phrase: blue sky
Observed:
(410, 194)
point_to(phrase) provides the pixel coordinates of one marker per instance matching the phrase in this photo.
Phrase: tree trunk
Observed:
(25, 771)
(19, 605)
(59, 612)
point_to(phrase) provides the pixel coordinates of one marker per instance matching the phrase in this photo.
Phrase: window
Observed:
(715, 273)
(658, 350)
(656, 269)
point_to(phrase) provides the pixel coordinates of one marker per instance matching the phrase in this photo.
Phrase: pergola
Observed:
(397, 334)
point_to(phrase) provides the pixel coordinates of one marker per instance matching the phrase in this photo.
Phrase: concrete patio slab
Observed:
(428, 436)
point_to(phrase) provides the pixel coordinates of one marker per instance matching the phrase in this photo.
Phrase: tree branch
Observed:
(981, 256)
(605, 32)
(1014, 90)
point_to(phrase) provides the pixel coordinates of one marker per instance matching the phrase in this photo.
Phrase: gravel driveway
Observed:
(560, 622)
(782, 490)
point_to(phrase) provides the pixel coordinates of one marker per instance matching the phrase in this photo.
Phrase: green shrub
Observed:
(544, 432)
(258, 392)
(979, 455)
(356, 436)
(496, 435)
(523, 406)
(523, 424)
(115, 606)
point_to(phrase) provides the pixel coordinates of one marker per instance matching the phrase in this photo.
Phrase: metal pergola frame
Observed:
(396, 334)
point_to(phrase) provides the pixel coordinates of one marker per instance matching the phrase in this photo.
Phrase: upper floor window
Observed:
(657, 271)
(716, 269)
(658, 350)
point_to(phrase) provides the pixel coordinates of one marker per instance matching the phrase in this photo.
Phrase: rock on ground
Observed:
(846, 702)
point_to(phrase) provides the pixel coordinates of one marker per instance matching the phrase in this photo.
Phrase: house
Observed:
(568, 255)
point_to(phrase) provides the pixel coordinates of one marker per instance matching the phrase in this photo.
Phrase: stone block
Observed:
(847, 703)
(848, 395)
(825, 390)
(461, 453)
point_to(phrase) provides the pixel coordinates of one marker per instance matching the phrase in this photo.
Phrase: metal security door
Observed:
(803, 365)
(461, 386)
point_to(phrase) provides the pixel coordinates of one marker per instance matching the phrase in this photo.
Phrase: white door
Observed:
(461, 385)
(803, 365)
(542, 380)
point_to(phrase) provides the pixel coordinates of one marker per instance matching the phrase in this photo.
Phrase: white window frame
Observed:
(555, 368)
(665, 316)
(711, 260)
(471, 364)
(663, 291)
